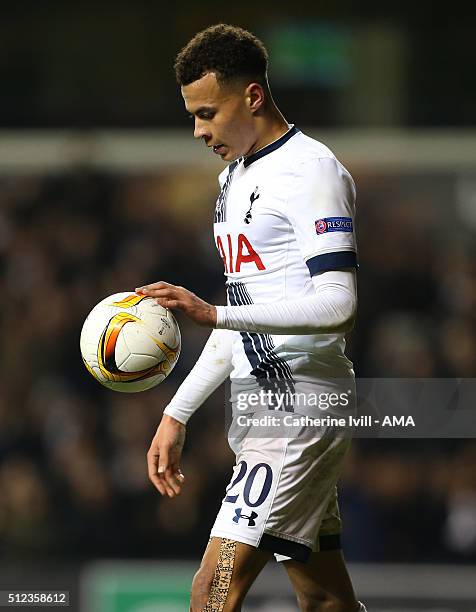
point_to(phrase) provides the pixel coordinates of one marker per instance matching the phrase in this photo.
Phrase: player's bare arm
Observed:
(163, 458)
(164, 455)
(173, 296)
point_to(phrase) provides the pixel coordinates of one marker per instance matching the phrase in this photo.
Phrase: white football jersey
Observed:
(284, 214)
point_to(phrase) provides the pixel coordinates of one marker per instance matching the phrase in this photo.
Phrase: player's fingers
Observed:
(169, 490)
(164, 294)
(166, 291)
(163, 460)
(152, 467)
(163, 471)
(158, 484)
(174, 479)
(168, 302)
(159, 481)
(180, 479)
(147, 289)
(157, 462)
(172, 485)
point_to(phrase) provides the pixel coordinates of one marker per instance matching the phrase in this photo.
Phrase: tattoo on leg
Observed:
(222, 577)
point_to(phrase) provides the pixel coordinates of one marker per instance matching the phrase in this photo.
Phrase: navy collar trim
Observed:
(271, 147)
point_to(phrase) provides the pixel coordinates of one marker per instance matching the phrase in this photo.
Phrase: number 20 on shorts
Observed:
(265, 489)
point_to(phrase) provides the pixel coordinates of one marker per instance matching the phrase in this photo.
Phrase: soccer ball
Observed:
(129, 343)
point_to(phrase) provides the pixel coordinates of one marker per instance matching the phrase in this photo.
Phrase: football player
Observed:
(284, 228)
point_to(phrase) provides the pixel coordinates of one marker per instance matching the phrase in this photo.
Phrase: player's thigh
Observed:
(227, 571)
(323, 582)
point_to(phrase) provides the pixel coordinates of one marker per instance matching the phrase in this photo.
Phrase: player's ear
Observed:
(254, 96)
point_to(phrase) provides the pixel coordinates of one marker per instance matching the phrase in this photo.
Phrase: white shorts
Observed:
(282, 496)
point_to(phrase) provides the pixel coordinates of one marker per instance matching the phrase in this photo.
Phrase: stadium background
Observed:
(102, 188)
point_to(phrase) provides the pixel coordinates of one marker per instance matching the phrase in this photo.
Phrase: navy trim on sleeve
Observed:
(332, 261)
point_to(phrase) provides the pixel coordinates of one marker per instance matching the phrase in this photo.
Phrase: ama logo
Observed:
(333, 224)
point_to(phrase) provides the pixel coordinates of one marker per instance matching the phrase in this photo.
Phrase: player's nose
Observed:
(201, 131)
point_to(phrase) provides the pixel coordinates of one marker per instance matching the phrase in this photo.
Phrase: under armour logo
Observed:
(254, 196)
(251, 518)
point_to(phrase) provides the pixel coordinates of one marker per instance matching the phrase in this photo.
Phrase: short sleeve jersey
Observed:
(284, 214)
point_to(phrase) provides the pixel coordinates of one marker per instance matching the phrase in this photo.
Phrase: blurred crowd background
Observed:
(72, 454)
(73, 482)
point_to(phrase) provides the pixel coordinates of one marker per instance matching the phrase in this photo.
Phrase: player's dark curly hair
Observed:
(228, 51)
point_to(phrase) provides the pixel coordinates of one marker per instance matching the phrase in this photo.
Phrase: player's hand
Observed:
(172, 296)
(163, 458)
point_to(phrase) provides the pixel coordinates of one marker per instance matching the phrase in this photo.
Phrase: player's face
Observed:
(223, 116)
